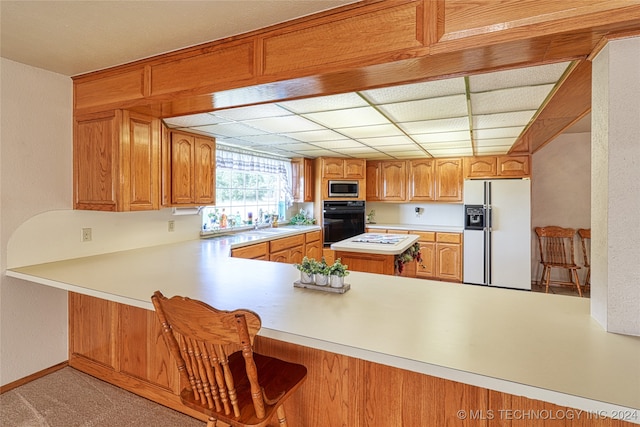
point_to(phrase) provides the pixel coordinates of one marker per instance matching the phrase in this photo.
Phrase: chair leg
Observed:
(282, 418)
(212, 422)
(548, 278)
(575, 274)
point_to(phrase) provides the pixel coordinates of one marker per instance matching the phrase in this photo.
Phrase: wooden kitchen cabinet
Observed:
(388, 179)
(497, 167)
(191, 167)
(116, 162)
(313, 245)
(256, 251)
(441, 256)
(302, 179)
(421, 180)
(448, 179)
(340, 168)
(287, 249)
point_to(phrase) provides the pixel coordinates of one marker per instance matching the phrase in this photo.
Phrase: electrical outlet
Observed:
(86, 234)
(172, 226)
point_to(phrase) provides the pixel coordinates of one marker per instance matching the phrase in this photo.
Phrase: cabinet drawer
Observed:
(252, 251)
(312, 236)
(449, 237)
(425, 236)
(286, 242)
(396, 231)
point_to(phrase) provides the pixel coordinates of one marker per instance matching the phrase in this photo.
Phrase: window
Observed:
(249, 188)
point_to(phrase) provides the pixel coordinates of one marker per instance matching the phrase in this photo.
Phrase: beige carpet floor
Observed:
(70, 398)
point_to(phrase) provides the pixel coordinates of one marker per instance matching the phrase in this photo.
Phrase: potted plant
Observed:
(337, 272)
(322, 272)
(306, 268)
(410, 254)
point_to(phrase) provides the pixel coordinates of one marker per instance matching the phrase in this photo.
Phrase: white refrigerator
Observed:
(497, 233)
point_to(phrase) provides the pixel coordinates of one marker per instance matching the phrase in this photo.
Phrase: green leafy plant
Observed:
(322, 268)
(308, 265)
(412, 253)
(338, 269)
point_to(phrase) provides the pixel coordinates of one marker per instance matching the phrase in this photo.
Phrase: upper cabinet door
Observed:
(393, 176)
(421, 180)
(373, 181)
(192, 169)
(116, 159)
(332, 167)
(448, 173)
(354, 168)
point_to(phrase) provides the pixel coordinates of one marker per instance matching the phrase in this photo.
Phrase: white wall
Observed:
(436, 214)
(36, 171)
(37, 223)
(561, 192)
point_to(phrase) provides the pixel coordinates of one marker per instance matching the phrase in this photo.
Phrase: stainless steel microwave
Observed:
(343, 188)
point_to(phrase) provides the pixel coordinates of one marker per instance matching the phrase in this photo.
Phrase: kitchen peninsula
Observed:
(373, 252)
(457, 348)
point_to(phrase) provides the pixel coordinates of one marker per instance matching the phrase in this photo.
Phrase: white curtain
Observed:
(247, 161)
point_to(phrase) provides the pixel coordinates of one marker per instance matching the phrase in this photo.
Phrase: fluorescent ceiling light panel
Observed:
(336, 145)
(443, 137)
(193, 120)
(449, 144)
(371, 131)
(325, 103)
(387, 140)
(507, 132)
(399, 148)
(312, 152)
(503, 142)
(448, 152)
(229, 130)
(440, 125)
(417, 154)
(530, 76)
(286, 124)
(487, 151)
(500, 120)
(410, 92)
(269, 139)
(427, 109)
(512, 99)
(253, 112)
(315, 135)
(363, 116)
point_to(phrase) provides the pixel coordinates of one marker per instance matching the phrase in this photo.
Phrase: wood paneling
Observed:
(109, 89)
(353, 38)
(93, 329)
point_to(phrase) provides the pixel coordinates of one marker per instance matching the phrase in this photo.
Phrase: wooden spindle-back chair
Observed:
(240, 389)
(585, 241)
(556, 251)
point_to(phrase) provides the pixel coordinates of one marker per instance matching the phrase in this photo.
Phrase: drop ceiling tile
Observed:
(371, 131)
(357, 151)
(325, 103)
(229, 130)
(286, 124)
(336, 145)
(440, 125)
(505, 142)
(336, 119)
(316, 153)
(512, 99)
(291, 147)
(253, 112)
(315, 135)
(433, 89)
(193, 120)
(507, 132)
(488, 151)
(427, 109)
(399, 148)
(375, 156)
(530, 76)
(451, 152)
(413, 154)
(269, 139)
(443, 137)
(449, 144)
(500, 120)
(388, 140)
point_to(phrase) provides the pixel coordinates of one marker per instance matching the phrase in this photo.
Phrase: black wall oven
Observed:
(342, 219)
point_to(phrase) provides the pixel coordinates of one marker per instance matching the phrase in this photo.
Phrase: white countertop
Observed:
(541, 346)
(227, 240)
(376, 243)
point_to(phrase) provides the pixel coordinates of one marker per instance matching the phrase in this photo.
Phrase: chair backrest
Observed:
(556, 245)
(196, 335)
(585, 240)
